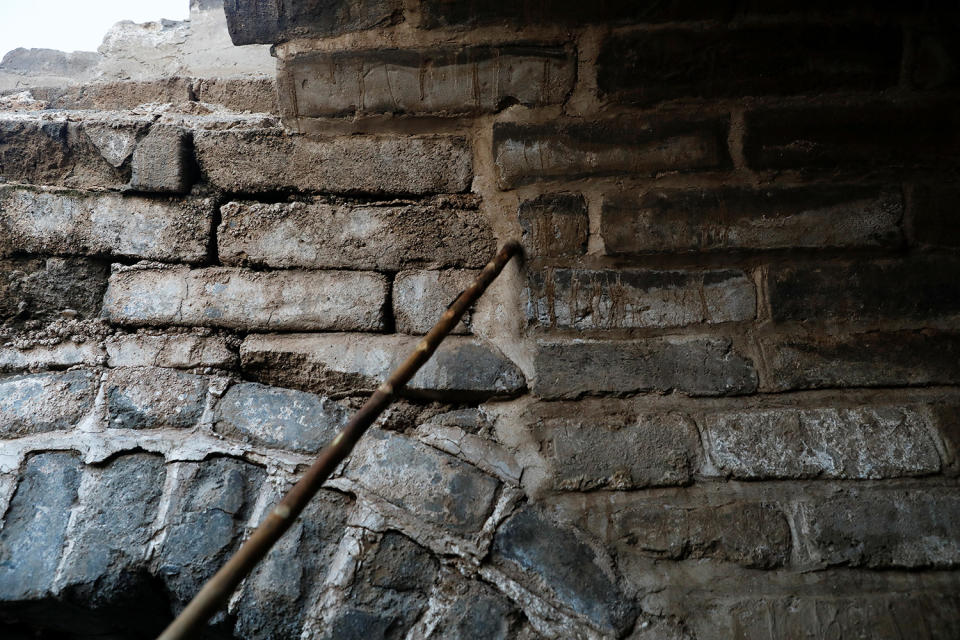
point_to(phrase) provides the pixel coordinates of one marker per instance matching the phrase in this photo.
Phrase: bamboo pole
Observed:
(218, 589)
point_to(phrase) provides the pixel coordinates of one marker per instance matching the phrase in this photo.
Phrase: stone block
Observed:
(462, 368)
(555, 225)
(45, 401)
(876, 359)
(318, 235)
(163, 161)
(533, 13)
(257, 95)
(273, 21)
(858, 138)
(750, 534)
(154, 398)
(106, 567)
(126, 94)
(267, 160)
(934, 217)
(865, 291)
(440, 80)
(692, 365)
(282, 418)
(49, 289)
(757, 60)
(276, 598)
(885, 529)
(207, 518)
(730, 218)
(540, 551)
(67, 222)
(475, 610)
(851, 444)
(59, 356)
(71, 154)
(526, 154)
(234, 298)
(618, 451)
(177, 351)
(421, 297)
(35, 526)
(433, 486)
(585, 299)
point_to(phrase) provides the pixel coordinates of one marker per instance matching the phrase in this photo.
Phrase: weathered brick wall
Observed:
(717, 400)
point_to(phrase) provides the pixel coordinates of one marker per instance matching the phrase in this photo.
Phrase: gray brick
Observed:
(663, 220)
(693, 365)
(273, 21)
(860, 443)
(35, 526)
(421, 297)
(633, 298)
(59, 356)
(154, 398)
(865, 291)
(617, 448)
(163, 161)
(462, 368)
(876, 359)
(433, 486)
(275, 417)
(233, 298)
(555, 225)
(439, 80)
(256, 161)
(61, 221)
(328, 236)
(885, 529)
(178, 351)
(45, 401)
(554, 556)
(526, 154)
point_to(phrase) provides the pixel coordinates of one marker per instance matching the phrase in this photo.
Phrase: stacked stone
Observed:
(719, 399)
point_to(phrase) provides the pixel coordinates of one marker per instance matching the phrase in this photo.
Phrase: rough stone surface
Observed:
(692, 365)
(567, 566)
(179, 351)
(758, 60)
(477, 611)
(35, 526)
(328, 236)
(45, 401)
(662, 220)
(64, 222)
(258, 95)
(861, 443)
(865, 291)
(434, 486)
(58, 356)
(631, 298)
(555, 225)
(233, 298)
(277, 596)
(272, 21)
(853, 139)
(526, 154)
(420, 298)
(127, 94)
(51, 288)
(256, 161)
(163, 161)
(877, 359)
(275, 417)
(619, 450)
(343, 363)
(442, 80)
(154, 398)
(879, 529)
(934, 216)
(105, 567)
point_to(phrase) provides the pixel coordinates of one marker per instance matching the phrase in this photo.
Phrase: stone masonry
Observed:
(718, 398)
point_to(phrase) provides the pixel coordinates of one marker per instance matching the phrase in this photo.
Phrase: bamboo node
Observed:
(282, 511)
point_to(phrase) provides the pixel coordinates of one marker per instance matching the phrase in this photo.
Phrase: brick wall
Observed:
(718, 399)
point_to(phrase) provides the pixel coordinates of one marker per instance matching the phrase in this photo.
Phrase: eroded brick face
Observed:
(716, 398)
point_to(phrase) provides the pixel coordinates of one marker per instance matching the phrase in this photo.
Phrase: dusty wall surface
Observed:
(718, 399)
